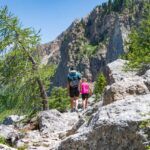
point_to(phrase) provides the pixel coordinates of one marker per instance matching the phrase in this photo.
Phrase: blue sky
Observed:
(51, 16)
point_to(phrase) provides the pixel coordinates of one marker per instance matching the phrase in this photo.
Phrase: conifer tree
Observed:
(139, 44)
(110, 5)
(21, 73)
(99, 85)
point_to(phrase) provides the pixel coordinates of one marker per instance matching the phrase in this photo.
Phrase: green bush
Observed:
(59, 99)
(99, 85)
(3, 141)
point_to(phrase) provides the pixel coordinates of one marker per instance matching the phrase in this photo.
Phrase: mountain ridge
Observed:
(92, 42)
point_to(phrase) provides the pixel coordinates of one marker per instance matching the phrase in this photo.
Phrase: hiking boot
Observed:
(73, 110)
(76, 110)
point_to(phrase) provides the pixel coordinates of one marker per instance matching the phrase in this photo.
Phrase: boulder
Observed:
(12, 119)
(125, 87)
(114, 127)
(9, 133)
(5, 147)
(115, 71)
(6, 130)
(146, 76)
(123, 83)
(53, 121)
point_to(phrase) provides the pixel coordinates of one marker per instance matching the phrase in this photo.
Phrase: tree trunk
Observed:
(43, 95)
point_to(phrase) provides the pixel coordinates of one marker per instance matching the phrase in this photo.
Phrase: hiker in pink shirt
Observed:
(85, 91)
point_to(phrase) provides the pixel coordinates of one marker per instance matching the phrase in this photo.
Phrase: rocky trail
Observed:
(45, 131)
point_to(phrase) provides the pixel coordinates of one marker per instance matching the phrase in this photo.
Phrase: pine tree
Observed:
(99, 85)
(110, 5)
(104, 6)
(139, 44)
(116, 5)
(59, 99)
(21, 73)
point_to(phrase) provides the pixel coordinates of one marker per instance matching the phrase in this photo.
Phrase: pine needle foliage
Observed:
(139, 44)
(23, 80)
(99, 85)
(59, 99)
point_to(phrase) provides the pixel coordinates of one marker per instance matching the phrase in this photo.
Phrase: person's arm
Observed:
(68, 87)
(90, 90)
(80, 84)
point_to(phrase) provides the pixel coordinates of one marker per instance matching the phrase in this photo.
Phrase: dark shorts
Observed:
(74, 92)
(85, 96)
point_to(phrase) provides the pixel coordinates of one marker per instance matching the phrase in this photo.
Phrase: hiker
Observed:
(85, 90)
(73, 87)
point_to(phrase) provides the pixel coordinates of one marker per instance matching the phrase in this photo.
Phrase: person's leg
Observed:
(76, 103)
(86, 102)
(72, 98)
(72, 102)
(83, 101)
(76, 97)
(83, 104)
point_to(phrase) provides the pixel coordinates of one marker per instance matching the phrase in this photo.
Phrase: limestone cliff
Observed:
(92, 42)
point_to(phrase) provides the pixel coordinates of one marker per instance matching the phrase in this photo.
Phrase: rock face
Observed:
(92, 42)
(114, 127)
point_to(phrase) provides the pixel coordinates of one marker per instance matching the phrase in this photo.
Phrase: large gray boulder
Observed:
(127, 86)
(53, 126)
(53, 121)
(123, 83)
(115, 71)
(114, 127)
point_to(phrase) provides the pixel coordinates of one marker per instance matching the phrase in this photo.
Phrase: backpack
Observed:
(74, 78)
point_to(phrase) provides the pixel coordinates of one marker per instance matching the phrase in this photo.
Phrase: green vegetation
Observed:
(118, 5)
(59, 99)
(87, 50)
(148, 147)
(99, 85)
(23, 80)
(7, 112)
(3, 141)
(146, 124)
(139, 45)
(25, 147)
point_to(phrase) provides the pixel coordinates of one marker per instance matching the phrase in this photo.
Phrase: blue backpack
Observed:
(74, 78)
